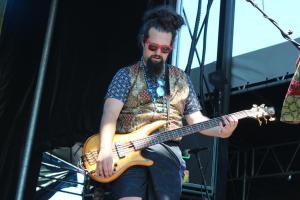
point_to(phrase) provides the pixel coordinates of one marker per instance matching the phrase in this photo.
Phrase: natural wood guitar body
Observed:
(124, 157)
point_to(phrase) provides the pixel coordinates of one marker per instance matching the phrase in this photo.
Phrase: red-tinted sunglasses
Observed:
(163, 48)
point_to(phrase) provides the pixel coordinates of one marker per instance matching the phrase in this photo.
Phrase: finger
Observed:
(225, 120)
(100, 170)
(220, 129)
(220, 126)
(234, 119)
(107, 169)
(226, 127)
(230, 122)
(233, 122)
(110, 169)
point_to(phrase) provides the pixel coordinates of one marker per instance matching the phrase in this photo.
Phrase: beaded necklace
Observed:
(155, 88)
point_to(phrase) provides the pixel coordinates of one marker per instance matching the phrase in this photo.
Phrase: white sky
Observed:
(252, 30)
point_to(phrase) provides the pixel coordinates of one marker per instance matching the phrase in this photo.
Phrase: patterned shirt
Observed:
(120, 86)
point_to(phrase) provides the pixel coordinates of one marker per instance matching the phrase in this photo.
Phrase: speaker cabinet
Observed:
(199, 153)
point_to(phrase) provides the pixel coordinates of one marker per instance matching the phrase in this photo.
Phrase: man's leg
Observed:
(167, 172)
(131, 185)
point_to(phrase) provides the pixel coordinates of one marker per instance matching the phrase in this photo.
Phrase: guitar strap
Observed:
(168, 92)
(168, 110)
(174, 156)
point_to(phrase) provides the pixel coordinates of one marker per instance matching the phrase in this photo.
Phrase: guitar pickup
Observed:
(120, 150)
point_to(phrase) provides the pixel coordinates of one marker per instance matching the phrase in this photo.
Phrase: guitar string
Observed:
(151, 137)
(124, 149)
(154, 137)
(165, 137)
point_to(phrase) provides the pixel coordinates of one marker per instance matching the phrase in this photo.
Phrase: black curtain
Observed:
(91, 41)
(20, 50)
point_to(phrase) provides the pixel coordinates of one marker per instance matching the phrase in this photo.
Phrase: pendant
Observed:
(161, 82)
(160, 91)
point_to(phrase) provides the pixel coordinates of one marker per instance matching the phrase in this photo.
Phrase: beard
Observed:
(155, 69)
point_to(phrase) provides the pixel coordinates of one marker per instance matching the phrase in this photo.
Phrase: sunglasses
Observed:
(163, 48)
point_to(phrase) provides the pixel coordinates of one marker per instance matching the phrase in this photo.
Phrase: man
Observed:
(143, 93)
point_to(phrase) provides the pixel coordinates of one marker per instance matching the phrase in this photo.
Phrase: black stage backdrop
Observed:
(91, 41)
(250, 135)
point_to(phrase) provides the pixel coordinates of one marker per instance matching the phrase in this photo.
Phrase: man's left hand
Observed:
(227, 126)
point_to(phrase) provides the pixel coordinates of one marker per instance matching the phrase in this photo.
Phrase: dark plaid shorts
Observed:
(161, 181)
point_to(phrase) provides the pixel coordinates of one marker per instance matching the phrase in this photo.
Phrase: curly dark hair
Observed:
(163, 18)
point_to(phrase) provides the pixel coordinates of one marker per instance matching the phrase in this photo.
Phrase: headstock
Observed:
(262, 113)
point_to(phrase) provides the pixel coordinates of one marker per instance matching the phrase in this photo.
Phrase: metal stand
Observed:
(196, 152)
(30, 136)
(58, 177)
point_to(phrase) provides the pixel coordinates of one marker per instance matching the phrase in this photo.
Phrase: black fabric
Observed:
(90, 41)
(18, 71)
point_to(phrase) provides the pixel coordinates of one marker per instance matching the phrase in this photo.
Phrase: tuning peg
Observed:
(262, 105)
(265, 119)
(259, 121)
(272, 119)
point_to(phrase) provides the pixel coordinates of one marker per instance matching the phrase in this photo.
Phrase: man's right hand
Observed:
(104, 166)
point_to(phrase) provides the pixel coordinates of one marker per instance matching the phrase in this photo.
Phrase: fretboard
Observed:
(180, 132)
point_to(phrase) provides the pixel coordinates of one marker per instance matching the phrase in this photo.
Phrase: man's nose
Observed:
(158, 51)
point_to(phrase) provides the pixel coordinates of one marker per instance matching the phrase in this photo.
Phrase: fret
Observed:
(190, 129)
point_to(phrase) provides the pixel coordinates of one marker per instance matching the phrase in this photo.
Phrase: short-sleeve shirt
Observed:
(119, 88)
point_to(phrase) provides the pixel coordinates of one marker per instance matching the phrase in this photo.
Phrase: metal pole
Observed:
(223, 67)
(245, 176)
(194, 43)
(26, 155)
(224, 57)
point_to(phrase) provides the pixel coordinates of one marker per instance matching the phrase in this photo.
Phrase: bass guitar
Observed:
(127, 147)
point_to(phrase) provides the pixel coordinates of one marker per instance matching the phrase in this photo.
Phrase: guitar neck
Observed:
(186, 130)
